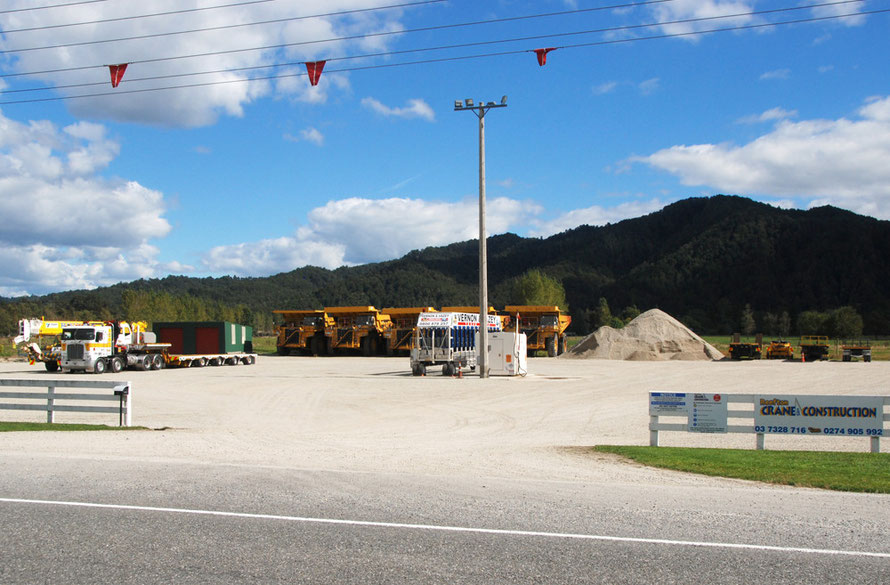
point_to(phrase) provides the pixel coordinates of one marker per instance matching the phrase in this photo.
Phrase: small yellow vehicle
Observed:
(780, 350)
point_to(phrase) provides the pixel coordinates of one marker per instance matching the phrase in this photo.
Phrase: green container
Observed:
(205, 337)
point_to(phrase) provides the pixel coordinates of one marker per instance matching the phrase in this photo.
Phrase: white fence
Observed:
(848, 416)
(49, 399)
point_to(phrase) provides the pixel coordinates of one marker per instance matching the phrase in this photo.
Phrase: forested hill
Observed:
(702, 260)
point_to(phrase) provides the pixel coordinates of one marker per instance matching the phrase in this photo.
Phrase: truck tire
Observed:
(563, 344)
(366, 346)
(100, 367)
(315, 345)
(551, 345)
(117, 365)
(51, 366)
(447, 369)
(157, 362)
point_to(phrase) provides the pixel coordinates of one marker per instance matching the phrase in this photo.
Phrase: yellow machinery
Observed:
(779, 350)
(544, 326)
(404, 323)
(814, 347)
(360, 328)
(303, 332)
(745, 350)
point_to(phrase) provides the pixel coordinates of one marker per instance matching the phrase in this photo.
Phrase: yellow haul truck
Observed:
(359, 328)
(303, 332)
(404, 322)
(544, 326)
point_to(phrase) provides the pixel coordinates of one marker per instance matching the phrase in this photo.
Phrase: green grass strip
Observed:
(841, 471)
(8, 427)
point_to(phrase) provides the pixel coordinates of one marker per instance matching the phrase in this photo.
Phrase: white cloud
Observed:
(649, 86)
(604, 88)
(770, 115)
(680, 10)
(416, 108)
(842, 9)
(222, 52)
(63, 225)
(843, 162)
(596, 215)
(776, 74)
(359, 230)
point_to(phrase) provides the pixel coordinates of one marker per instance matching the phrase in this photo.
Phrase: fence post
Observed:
(876, 444)
(653, 432)
(760, 441)
(50, 414)
(126, 416)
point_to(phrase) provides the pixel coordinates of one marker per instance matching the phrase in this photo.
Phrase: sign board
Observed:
(668, 404)
(426, 320)
(707, 414)
(819, 415)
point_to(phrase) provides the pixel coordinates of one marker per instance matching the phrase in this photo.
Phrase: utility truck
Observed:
(98, 347)
(42, 338)
(447, 339)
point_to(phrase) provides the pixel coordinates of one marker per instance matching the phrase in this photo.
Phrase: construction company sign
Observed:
(819, 415)
(425, 320)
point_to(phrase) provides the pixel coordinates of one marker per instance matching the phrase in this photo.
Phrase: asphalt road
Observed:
(71, 520)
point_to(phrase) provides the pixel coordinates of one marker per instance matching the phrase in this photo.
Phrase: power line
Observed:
(467, 57)
(10, 11)
(188, 10)
(386, 33)
(439, 27)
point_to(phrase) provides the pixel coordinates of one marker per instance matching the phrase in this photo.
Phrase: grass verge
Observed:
(841, 471)
(8, 427)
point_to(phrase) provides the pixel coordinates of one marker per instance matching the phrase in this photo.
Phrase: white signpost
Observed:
(783, 414)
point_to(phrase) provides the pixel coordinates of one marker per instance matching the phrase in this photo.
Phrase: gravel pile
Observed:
(652, 336)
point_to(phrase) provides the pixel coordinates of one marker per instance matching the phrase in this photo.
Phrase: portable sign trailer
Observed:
(448, 339)
(303, 332)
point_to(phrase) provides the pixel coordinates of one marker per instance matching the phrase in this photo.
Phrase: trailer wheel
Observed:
(117, 365)
(215, 361)
(100, 367)
(447, 369)
(51, 366)
(199, 363)
(419, 370)
(232, 362)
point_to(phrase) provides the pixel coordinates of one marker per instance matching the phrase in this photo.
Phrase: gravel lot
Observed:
(370, 414)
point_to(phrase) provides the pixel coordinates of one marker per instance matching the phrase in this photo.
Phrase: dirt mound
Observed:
(652, 336)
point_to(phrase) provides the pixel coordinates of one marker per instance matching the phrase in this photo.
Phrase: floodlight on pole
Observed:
(480, 112)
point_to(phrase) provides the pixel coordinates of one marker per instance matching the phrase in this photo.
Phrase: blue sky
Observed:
(253, 176)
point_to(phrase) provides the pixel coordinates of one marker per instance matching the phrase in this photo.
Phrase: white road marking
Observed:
(464, 529)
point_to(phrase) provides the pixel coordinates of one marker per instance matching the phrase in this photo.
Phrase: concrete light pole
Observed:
(480, 112)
